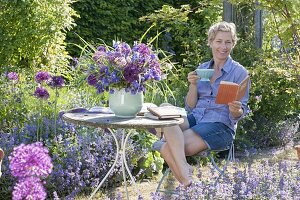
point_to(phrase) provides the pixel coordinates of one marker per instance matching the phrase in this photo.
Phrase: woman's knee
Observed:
(185, 125)
(193, 143)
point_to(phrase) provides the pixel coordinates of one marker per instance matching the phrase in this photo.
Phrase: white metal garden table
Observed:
(109, 121)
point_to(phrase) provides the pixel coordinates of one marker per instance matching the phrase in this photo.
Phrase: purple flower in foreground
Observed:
(56, 82)
(29, 188)
(30, 160)
(13, 76)
(42, 76)
(41, 93)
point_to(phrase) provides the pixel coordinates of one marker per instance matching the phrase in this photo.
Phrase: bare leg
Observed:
(190, 142)
(168, 157)
(177, 160)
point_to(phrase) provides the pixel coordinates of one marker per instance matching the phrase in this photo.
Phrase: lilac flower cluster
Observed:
(44, 77)
(29, 163)
(124, 67)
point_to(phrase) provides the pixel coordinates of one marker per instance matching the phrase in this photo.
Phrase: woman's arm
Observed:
(192, 95)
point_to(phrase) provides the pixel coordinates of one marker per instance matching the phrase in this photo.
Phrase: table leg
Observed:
(124, 157)
(124, 161)
(124, 164)
(111, 168)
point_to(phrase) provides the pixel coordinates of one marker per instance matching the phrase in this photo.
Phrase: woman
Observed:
(208, 125)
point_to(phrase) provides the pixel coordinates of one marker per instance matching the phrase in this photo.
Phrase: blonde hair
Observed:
(222, 26)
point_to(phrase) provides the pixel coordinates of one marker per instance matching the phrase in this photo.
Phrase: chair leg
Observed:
(230, 157)
(165, 174)
(165, 191)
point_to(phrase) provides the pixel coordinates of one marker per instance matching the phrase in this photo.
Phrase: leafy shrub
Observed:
(33, 33)
(185, 28)
(119, 21)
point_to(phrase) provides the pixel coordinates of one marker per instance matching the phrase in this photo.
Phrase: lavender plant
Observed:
(80, 156)
(263, 179)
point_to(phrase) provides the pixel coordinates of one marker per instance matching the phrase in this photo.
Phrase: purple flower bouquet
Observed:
(123, 67)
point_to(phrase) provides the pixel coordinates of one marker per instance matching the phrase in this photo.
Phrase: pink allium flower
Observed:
(29, 188)
(30, 160)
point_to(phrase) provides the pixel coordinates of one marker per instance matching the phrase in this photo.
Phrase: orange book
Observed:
(229, 91)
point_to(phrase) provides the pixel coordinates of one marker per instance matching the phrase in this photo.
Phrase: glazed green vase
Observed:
(124, 104)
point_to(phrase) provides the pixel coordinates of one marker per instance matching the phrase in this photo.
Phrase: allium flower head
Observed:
(56, 82)
(41, 93)
(13, 76)
(30, 160)
(42, 77)
(29, 188)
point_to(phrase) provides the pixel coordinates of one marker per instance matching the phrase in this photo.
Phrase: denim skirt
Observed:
(216, 135)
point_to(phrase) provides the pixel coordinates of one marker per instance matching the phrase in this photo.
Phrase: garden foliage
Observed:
(33, 33)
(33, 36)
(109, 20)
(275, 93)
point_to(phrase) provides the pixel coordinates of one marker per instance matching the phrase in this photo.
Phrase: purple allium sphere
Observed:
(92, 79)
(41, 93)
(42, 76)
(29, 188)
(30, 160)
(56, 82)
(13, 76)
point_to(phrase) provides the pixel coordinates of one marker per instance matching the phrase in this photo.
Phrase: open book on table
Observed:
(229, 91)
(165, 112)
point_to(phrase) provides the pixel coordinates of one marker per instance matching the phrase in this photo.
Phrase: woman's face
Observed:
(221, 46)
